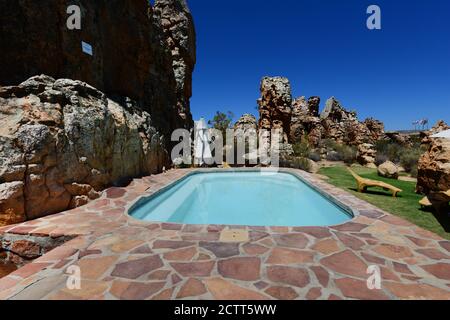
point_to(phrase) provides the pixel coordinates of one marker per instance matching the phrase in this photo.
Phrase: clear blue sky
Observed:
(398, 74)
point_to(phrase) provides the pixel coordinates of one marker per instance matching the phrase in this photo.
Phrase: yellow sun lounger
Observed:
(226, 165)
(363, 184)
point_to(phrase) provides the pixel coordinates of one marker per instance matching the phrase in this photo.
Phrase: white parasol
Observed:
(202, 151)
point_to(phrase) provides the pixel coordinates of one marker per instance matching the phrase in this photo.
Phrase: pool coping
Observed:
(275, 262)
(352, 212)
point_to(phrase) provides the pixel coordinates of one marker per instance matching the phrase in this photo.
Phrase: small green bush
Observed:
(387, 150)
(343, 153)
(348, 153)
(296, 163)
(409, 159)
(302, 149)
(329, 144)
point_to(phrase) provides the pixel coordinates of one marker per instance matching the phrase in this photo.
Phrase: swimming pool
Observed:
(240, 198)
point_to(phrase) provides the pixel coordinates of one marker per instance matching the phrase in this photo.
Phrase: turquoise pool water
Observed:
(241, 198)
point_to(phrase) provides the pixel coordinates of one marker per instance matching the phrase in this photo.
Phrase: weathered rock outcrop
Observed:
(434, 165)
(343, 126)
(131, 52)
(275, 105)
(275, 109)
(398, 138)
(366, 155)
(305, 120)
(247, 124)
(63, 141)
(300, 117)
(179, 33)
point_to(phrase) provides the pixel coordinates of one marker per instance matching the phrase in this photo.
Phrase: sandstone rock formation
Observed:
(343, 126)
(275, 109)
(247, 124)
(275, 105)
(388, 170)
(375, 129)
(434, 165)
(300, 117)
(366, 155)
(62, 141)
(305, 120)
(132, 55)
(179, 33)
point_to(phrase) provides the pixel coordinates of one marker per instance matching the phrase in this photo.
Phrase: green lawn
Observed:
(405, 206)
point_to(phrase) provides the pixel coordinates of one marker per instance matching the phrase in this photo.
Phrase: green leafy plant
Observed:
(222, 121)
(302, 149)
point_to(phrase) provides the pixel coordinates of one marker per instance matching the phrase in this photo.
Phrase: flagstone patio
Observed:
(122, 258)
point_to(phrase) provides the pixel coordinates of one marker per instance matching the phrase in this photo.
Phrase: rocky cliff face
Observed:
(300, 117)
(63, 141)
(179, 34)
(275, 105)
(275, 110)
(135, 52)
(434, 165)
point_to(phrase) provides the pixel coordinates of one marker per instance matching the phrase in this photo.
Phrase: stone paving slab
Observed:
(122, 258)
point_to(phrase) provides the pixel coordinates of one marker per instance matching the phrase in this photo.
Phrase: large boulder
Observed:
(388, 170)
(63, 141)
(434, 164)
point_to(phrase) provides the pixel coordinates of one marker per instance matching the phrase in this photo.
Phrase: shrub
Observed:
(302, 164)
(302, 149)
(409, 159)
(343, 153)
(347, 153)
(388, 150)
(339, 152)
(329, 144)
(295, 163)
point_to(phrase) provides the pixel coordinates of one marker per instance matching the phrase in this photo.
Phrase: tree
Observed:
(222, 121)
